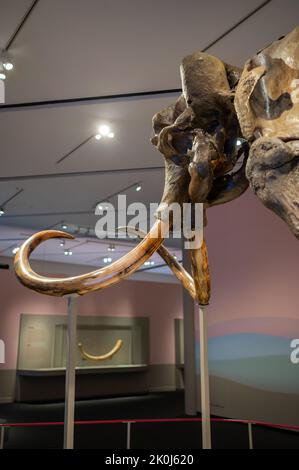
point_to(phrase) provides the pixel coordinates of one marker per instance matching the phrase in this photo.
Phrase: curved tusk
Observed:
(95, 280)
(199, 287)
(201, 274)
(178, 270)
(103, 357)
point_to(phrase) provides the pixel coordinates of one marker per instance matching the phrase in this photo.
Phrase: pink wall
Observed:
(160, 302)
(254, 261)
(254, 265)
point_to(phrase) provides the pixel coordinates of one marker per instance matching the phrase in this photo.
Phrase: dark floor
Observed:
(144, 435)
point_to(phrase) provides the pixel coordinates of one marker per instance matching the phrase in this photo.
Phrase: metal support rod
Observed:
(189, 346)
(2, 432)
(204, 381)
(129, 434)
(250, 437)
(70, 374)
(2, 92)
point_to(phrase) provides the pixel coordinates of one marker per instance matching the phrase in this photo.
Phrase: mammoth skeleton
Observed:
(229, 129)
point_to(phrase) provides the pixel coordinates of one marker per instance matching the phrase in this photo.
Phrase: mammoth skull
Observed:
(228, 128)
(267, 103)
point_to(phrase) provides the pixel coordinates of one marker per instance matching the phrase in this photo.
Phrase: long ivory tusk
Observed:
(199, 287)
(92, 281)
(200, 272)
(179, 271)
(103, 357)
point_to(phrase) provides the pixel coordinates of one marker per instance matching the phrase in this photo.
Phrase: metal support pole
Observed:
(250, 437)
(189, 346)
(2, 432)
(204, 381)
(129, 434)
(70, 374)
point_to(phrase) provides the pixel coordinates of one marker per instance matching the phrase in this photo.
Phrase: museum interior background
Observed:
(74, 49)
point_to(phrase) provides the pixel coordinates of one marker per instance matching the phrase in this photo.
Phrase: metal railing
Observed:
(130, 422)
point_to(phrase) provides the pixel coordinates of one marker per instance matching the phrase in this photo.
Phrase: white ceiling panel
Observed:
(11, 14)
(276, 19)
(72, 48)
(33, 140)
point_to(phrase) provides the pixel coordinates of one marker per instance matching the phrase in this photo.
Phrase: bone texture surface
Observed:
(267, 104)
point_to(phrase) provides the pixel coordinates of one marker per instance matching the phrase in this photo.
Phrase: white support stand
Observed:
(189, 346)
(2, 92)
(204, 381)
(70, 374)
(129, 423)
(2, 432)
(250, 438)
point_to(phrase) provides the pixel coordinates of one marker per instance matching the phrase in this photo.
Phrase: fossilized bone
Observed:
(203, 136)
(267, 103)
(103, 357)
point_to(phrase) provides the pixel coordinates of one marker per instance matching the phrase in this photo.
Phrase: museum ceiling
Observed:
(74, 49)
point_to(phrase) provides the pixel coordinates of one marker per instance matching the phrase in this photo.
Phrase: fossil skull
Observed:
(267, 104)
(199, 136)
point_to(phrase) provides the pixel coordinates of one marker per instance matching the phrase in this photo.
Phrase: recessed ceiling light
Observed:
(138, 188)
(98, 137)
(64, 227)
(111, 248)
(62, 242)
(147, 263)
(107, 259)
(15, 249)
(111, 135)
(2, 212)
(8, 65)
(2, 76)
(104, 129)
(68, 252)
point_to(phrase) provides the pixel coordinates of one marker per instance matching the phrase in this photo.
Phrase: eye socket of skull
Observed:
(182, 142)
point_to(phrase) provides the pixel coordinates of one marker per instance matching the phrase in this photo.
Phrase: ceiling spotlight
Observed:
(62, 242)
(104, 130)
(2, 76)
(111, 135)
(8, 65)
(5, 61)
(111, 248)
(2, 212)
(68, 252)
(107, 260)
(15, 250)
(64, 227)
(138, 188)
(98, 137)
(149, 263)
